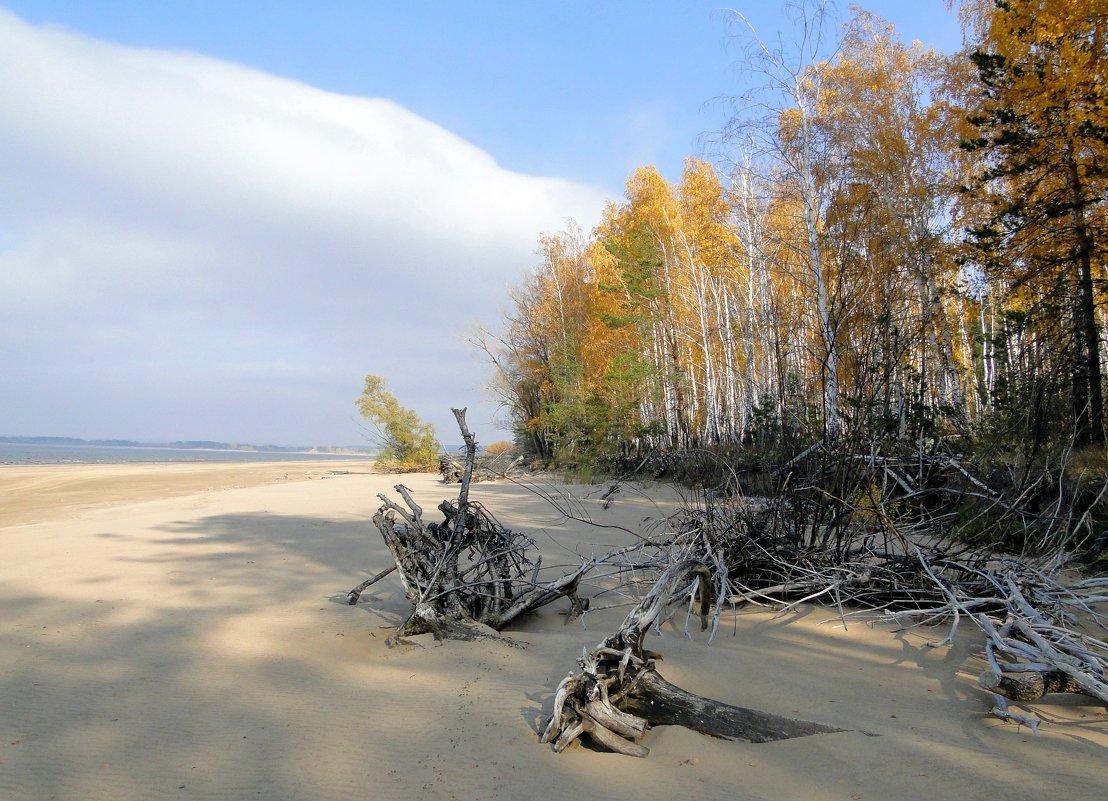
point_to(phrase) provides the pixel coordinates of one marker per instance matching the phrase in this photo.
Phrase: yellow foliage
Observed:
(499, 448)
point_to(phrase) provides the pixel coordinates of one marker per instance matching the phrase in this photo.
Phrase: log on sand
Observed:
(1029, 685)
(619, 693)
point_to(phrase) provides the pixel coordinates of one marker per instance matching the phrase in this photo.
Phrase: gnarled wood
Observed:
(1029, 685)
(618, 692)
(663, 704)
(465, 571)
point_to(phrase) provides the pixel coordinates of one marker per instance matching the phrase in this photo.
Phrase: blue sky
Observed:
(582, 90)
(221, 215)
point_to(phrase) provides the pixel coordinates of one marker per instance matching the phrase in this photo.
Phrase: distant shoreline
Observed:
(41, 450)
(349, 450)
(36, 492)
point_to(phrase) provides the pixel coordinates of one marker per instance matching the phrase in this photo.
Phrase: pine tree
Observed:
(1043, 132)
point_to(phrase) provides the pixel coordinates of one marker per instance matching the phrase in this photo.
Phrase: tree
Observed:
(890, 257)
(1043, 131)
(406, 442)
(825, 289)
(779, 115)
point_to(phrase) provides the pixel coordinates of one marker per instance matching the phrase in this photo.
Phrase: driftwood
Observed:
(467, 576)
(465, 571)
(619, 693)
(355, 594)
(453, 468)
(1041, 635)
(1031, 685)
(486, 467)
(1036, 650)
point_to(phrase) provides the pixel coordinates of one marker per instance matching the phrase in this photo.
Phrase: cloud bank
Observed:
(193, 249)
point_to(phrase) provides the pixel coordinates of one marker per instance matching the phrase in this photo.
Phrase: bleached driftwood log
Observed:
(618, 693)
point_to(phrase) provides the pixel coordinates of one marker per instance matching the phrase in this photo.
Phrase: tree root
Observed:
(465, 572)
(618, 694)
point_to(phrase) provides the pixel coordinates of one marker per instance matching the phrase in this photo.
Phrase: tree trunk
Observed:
(1088, 387)
(663, 704)
(1029, 685)
(619, 694)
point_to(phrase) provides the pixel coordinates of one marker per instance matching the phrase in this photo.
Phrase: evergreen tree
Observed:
(1043, 132)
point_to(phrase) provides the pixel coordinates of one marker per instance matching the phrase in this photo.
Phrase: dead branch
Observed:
(467, 571)
(355, 594)
(850, 544)
(618, 693)
(1030, 619)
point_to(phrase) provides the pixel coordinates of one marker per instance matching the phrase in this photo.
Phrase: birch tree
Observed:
(778, 113)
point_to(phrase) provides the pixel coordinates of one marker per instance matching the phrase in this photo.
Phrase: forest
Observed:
(891, 256)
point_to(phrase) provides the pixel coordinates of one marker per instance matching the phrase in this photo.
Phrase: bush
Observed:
(406, 442)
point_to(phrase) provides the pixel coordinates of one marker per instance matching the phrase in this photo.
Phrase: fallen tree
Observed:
(469, 572)
(1037, 648)
(467, 576)
(619, 693)
(452, 469)
(465, 571)
(485, 468)
(1042, 635)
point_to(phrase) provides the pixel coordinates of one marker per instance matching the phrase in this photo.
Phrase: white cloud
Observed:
(179, 229)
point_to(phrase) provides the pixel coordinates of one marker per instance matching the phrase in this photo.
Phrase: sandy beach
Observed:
(180, 631)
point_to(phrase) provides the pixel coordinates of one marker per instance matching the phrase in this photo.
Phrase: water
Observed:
(35, 453)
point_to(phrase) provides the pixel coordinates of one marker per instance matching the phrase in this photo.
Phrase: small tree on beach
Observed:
(406, 442)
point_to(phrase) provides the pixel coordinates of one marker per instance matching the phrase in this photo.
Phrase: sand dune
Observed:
(179, 633)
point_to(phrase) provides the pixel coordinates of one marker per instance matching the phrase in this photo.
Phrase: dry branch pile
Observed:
(467, 571)
(1037, 646)
(1042, 650)
(1042, 635)
(762, 551)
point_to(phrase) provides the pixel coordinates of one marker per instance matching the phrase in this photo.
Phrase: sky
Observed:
(218, 216)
